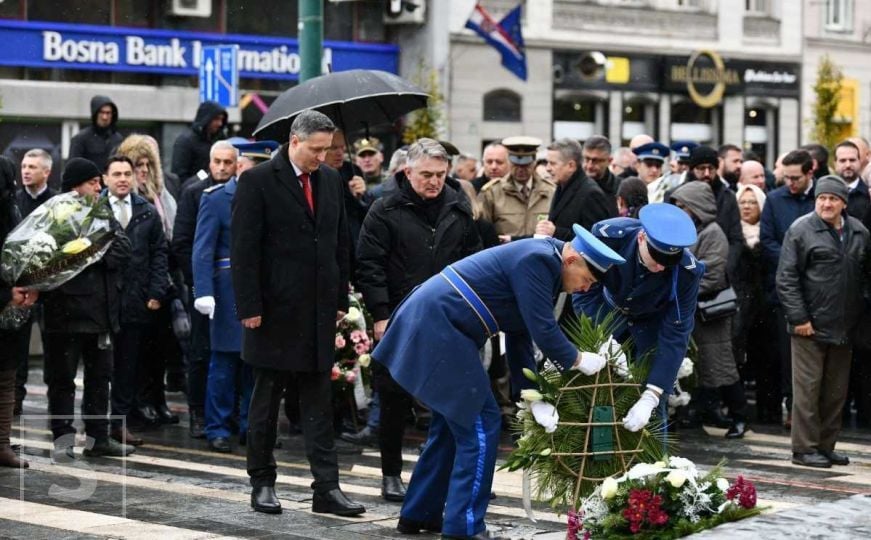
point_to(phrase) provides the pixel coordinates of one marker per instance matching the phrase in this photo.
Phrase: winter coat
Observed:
(502, 205)
(610, 184)
(186, 223)
(781, 210)
(190, 153)
(580, 201)
(9, 218)
(858, 201)
(96, 143)
(289, 266)
(147, 275)
(27, 204)
(399, 249)
(820, 278)
(713, 338)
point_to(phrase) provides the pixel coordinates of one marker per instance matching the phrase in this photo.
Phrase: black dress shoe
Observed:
(365, 437)
(220, 444)
(197, 427)
(485, 535)
(811, 459)
(392, 489)
(146, 415)
(164, 415)
(736, 430)
(411, 526)
(335, 502)
(835, 458)
(264, 499)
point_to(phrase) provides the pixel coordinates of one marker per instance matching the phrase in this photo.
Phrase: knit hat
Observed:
(832, 185)
(78, 171)
(704, 155)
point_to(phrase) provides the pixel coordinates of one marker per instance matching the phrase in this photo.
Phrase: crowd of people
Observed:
(781, 301)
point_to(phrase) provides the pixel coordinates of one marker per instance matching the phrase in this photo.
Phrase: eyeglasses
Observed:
(704, 168)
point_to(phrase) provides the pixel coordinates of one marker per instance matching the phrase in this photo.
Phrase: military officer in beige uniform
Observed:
(515, 203)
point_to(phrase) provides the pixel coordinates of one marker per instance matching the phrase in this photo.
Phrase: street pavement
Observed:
(174, 487)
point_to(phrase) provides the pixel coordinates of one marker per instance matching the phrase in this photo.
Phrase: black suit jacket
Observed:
(289, 266)
(581, 201)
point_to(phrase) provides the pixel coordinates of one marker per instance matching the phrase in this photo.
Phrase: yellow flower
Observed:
(676, 478)
(76, 246)
(609, 488)
(531, 395)
(364, 360)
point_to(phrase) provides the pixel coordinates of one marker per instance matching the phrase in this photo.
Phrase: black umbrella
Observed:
(359, 98)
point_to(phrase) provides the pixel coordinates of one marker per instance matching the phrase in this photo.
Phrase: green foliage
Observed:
(429, 121)
(556, 475)
(827, 89)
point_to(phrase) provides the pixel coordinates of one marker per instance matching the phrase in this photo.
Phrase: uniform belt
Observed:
(222, 264)
(612, 303)
(472, 299)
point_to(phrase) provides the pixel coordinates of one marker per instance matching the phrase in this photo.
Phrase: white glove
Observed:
(609, 347)
(545, 415)
(639, 414)
(205, 305)
(589, 363)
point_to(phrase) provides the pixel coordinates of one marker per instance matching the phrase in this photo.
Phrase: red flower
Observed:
(744, 491)
(643, 506)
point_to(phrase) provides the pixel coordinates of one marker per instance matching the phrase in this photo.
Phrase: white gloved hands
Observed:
(205, 305)
(639, 414)
(589, 363)
(545, 415)
(612, 349)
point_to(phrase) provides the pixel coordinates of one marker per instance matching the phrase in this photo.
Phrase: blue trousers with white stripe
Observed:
(454, 475)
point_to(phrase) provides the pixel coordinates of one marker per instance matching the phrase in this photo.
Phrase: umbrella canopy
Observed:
(353, 99)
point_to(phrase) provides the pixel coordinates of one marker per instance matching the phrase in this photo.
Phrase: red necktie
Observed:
(307, 191)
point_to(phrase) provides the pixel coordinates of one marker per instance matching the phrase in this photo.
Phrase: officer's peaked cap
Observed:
(594, 251)
(669, 230)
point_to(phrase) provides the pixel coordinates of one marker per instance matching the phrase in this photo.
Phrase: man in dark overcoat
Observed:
(289, 259)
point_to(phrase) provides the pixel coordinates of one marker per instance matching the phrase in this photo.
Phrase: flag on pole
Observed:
(504, 35)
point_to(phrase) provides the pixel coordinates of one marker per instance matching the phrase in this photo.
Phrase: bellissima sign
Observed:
(68, 46)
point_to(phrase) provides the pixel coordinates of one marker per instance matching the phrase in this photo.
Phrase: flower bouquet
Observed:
(665, 499)
(54, 244)
(571, 432)
(352, 357)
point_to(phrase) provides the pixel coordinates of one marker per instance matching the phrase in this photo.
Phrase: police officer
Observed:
(213, 293)
(515, 203)
(654, 294)
(253, 153)
(431, 349)
(681, 155)
(651, 166)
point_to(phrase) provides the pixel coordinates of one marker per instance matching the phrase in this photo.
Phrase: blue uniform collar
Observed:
(230, 186)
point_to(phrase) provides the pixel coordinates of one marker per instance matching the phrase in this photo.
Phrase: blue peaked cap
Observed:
(256, 149)
(669, 229)
(594, 250)
(682, 149)
(653, 150)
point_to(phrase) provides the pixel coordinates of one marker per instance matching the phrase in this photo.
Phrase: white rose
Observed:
(676, 478)
(530, 394)
(364, 360)
(545, 415)
(722, 484)
(609, 488)
(686, 368)
(353, 315)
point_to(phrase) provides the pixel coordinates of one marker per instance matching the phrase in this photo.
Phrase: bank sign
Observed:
(72, 46)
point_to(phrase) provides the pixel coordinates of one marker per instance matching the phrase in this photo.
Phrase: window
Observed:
(502, 106)
(757, 7)
(839, 15)
(83, 12)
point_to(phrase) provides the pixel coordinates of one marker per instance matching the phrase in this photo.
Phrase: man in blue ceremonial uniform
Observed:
(431, 348)
(654, 294)
(213, 293)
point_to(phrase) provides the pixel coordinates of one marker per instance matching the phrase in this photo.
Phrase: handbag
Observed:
(724, 304)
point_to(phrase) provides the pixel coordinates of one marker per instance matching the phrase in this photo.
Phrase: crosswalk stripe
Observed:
(65, 519)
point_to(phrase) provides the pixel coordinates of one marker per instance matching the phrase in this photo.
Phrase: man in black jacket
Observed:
(577, 198)
(408, 237)
(80, 317)
(223, 159)
(146, 280)
(190, 153)
(597, 164)
(101, 138)
(289, 259)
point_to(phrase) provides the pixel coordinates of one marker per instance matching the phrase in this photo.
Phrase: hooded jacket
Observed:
(190, 153)
(96, 143)
(712, 246)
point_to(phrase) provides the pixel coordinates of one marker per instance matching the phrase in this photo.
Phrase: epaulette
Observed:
(490, 184)
(213, 188)
(688, 261)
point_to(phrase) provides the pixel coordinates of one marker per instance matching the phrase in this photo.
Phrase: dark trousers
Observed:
(315, 407)
(820, 375)
(784, 352)
(125, 382)
(23, 353)
(159, 347)
(62, 353)
(395, 406)
(198, 359)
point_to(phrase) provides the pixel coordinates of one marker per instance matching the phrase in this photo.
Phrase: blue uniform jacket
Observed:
(211, 265)
(432, 342)
(657, 309)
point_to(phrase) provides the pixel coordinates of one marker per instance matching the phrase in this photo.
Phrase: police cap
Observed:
(682, 149)
(669, 230)
(594, 251)
(652, 150)
(367, 145)
(522, 149)
(258, 150)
